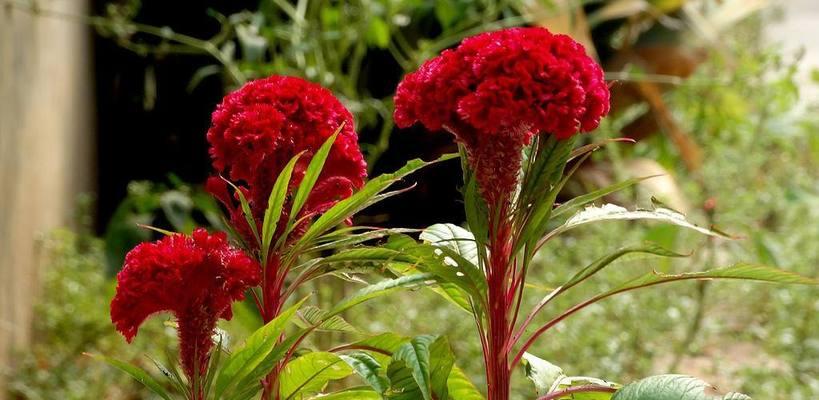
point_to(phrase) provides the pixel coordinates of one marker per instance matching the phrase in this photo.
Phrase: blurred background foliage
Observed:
(713, 107)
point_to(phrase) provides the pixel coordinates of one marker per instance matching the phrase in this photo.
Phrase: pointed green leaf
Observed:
(611, 212)
(312, 173)
(541, 372)
(380, 289)
(412, 360)
(135, 372)
(603, 262)
(460, 387)
(366, 196)
(350, 394)
(275, 204)
(596, 195)
(454, 237)
(244, 360)
(314, 316)
(251, 221)
(671, 387)
(369, 369)
(310, 373)
(429, 360)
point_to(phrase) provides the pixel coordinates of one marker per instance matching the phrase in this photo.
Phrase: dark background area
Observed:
(151, 125)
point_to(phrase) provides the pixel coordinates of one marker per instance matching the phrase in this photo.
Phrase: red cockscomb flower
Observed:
(498, 89)
(257, 129)
(196, 278)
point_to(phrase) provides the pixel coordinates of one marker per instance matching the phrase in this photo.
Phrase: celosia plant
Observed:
(515, 100)
(196, 278)
(259, 128)
(289, 172)
(273, 128)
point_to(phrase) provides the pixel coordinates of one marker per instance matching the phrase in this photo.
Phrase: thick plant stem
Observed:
(498, 279)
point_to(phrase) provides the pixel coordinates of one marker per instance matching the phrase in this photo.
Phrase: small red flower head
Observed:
(196, 278)
(257, 129)
(498, 89)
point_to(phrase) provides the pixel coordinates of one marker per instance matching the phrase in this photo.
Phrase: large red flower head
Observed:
(257, 129)
(196, 278)
(498, 89)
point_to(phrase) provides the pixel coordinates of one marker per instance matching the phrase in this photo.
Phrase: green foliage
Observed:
(71, 318)
(670, 387)
(310, 373)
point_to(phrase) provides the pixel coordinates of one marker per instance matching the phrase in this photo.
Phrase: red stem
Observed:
(499, 279)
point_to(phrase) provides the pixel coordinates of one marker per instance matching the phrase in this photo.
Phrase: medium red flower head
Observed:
(498, 89)
(257, 129)
(196, 278)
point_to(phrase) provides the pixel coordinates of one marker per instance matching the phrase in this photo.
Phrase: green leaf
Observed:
(541, 209)
(371, 193)
(429, 361)
(311, 174)
(386, 343)
(351, 394)
(369, 369)
(314, 316)
(440, 367)
(413, 358)
(381, 288)
(135, 372)
(670, 387)
(460, 387)
(333, 241)
(258, 346)
(310, 373)
(251, 222)
(544, 170)
(458, 247)
(567, 382)
(250, 385)
(595, 195)
(541, 372)
(453, 237)
(604, 261)
(275, 204)
(476, 213)
(611, 212)
(461, 249)
(741, 271)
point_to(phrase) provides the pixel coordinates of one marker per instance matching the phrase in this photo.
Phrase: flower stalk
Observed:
(503, 95)
(288, 149)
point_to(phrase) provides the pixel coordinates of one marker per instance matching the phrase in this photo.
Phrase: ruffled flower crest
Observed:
(498, 89)
(258, 128)
(196, 278)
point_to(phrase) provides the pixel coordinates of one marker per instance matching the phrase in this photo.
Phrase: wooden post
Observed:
(46, 147)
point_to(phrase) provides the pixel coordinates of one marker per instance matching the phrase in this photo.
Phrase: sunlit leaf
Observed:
(310, 373)
(244, 360)
(611, 212)
(460, 387)
(541, 372)
(671, 387)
